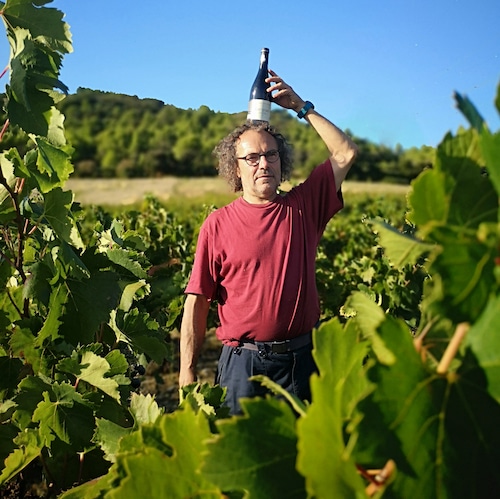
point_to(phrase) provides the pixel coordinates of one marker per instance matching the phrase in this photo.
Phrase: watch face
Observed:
(308, 105)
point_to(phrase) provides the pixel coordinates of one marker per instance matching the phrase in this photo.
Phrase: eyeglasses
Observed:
(253, 159)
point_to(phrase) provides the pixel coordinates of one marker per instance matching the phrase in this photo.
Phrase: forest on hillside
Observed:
(117, 135)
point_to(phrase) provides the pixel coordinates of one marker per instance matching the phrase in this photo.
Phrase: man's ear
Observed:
(238, 173)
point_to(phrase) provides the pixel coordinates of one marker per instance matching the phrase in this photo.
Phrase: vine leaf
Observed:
(50, 328)
(142, 332)
(335, 391)
(144, 409)
(429, 425)
(401, 249)
(368, 317)
(92, 369)
(469, 111)
(485, 344)
(464, 293)
(254, 457)
(44, 24)
(29, 447)
(65, 415)
(107, 436)
(166, 457)
(90, 304)
(53, 165)
(56, 211)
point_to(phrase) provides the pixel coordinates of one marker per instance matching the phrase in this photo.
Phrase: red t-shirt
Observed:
(259, 261)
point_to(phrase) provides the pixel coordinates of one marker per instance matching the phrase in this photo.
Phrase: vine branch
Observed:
(452, 348)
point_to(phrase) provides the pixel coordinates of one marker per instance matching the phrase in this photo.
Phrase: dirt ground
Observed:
(162, 382)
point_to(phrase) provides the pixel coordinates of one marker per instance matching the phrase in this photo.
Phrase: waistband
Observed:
(278, 346)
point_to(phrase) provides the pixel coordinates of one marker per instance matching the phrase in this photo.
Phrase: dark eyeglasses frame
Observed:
(257, 156)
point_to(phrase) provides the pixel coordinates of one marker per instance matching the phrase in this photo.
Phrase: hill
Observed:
(117, 135)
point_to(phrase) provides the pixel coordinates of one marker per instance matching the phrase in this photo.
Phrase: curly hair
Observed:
(225, 151)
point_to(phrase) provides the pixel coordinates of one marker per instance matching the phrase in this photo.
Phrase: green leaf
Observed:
(44, 24)
(33, 76)
(108, 435)
(122, 257)
(129, 294)
(93, 489)
(428, 200)
(205, 397)
(23, 345)
(465, 292)
(335, 392)
(483, 340)
(490, 149)
(149, 465)
(10, 369)
(7, 434)
(429, 425)
(469, 111)
(295, 403)
(30, 394)
(8, 173)
(94, 370)
(53, 164)
(66, 416)
(368, 318)
(57, 212)
(144, 409)
(401, 249)
(29, 447)
(92, 301)
(117, 363)
(142, 332)
(50, 330)
(254, 457)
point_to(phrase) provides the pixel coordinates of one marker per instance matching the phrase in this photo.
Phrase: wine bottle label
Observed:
(259, 110)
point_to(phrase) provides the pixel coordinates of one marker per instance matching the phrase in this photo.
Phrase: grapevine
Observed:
(406, 399)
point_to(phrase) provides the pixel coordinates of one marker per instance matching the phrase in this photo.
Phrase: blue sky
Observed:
(385, 69)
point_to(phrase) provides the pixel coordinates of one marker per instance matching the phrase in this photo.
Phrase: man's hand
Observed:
(285, 95)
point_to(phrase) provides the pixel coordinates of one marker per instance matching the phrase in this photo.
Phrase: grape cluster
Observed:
(136, 371)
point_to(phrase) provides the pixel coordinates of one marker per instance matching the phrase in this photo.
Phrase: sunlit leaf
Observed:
(56, 211)
(335, 392)
(254, 457)
(400, 248)
(144, 409)
(28, 448)
(44, 24)
(150, 467)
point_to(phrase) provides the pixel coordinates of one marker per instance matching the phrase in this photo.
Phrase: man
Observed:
(256, 257)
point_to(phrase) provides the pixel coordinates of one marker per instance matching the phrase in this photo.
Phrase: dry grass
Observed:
(127, 192)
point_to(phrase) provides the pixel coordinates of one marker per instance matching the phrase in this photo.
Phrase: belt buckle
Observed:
(280, 346)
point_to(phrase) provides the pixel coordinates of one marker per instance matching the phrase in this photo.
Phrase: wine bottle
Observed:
(259, 106)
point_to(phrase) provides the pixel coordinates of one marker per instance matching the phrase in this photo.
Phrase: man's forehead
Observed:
(255, 138)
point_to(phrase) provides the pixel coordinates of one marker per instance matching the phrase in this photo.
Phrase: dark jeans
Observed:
(291, 370)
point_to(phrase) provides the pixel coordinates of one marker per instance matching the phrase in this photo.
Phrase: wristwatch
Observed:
(308, 105)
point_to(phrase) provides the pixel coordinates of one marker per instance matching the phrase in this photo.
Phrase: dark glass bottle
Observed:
(259, 106)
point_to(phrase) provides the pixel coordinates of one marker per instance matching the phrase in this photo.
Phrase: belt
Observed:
(278, 346)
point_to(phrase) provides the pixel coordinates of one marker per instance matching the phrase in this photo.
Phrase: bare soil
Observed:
(163, 381)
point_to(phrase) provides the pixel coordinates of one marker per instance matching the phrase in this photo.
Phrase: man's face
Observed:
(260, 182)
